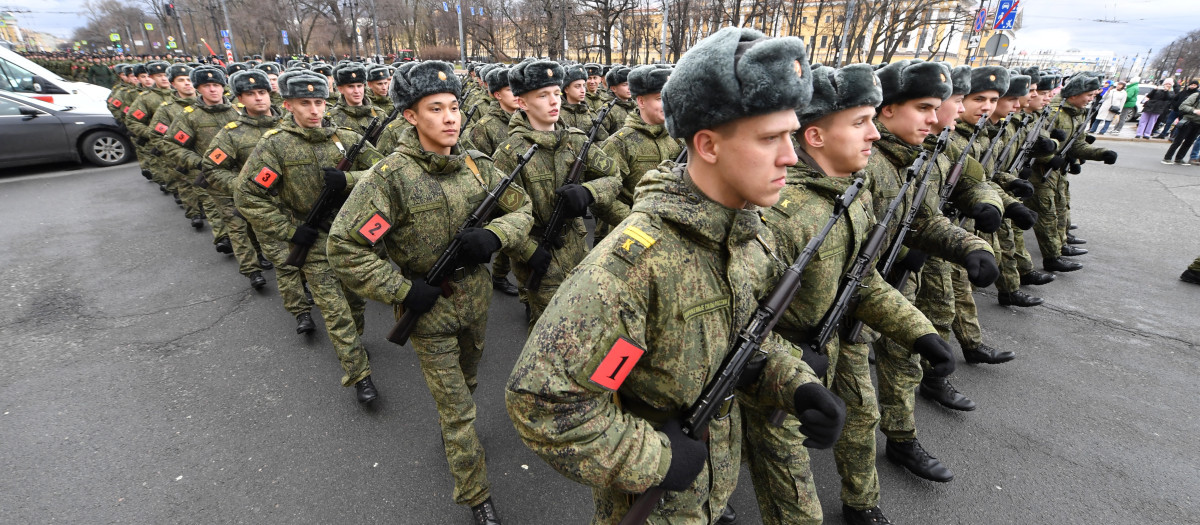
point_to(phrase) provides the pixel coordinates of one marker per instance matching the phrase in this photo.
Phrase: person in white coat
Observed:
(1114, 98)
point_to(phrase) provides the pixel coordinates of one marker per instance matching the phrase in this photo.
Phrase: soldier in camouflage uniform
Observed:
(119, 97)
(389, 138)
(641, 326)
(272, 71)
(378, 78)
(618, 84)
(449, 336)
(575, 112)
(353, 111)
(279, 184)
(184, 96)
(595, 96)
(138, 119)
(537, 86)
(1032, 105)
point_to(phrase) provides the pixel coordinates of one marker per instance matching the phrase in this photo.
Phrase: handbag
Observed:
(1114, 109)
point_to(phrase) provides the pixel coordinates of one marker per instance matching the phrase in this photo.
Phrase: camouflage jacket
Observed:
(382, 103)
(389, 138)
(637, 148)
(1072, 121)
(166, 114)
(231, 147)
(281, 180)
(188, 137)
(597, 99)
(580, 117)
(970, 189)
(976, 151)
(423, 198)
(677, 278)
(548, 169)
(117, 100)
(616, 116)
(489, 132)
(354, 118)
(137, 119)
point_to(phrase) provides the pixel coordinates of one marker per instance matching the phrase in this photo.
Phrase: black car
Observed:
(34, 132)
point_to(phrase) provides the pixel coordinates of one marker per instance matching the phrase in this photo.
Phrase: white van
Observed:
(21, 76)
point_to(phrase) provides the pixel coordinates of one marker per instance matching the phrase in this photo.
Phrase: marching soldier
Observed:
(575, 111)
(137, 119)
(595, 95)
(272, 71)
(378, 78)
(618, 84)
(492, 128)
(184, 96)
(389, 138)
(353, 111)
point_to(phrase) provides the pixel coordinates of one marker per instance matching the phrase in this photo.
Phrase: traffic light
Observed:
(169, 8)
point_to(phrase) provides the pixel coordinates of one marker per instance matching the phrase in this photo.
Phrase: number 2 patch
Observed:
(266, 178)
(617, 364)
(375, 228)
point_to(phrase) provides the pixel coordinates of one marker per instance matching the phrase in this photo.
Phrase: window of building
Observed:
(824, 39)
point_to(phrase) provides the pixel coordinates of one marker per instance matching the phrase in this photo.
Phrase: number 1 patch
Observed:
(374, 228)
(160, 128)
(217, 156)
(617, 364)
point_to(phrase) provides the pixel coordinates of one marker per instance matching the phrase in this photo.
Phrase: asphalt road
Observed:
(143, 381)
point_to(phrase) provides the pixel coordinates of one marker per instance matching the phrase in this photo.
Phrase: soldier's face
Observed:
(211, 92)
(979, 104)
(274, 80)
(745, 161)
(621, 90)
(507, 100)
(1081, 100)
(353, 93)
(841, 142)
(1004, 107)
(145, 80)
(307, 112)
(651, 108)
(379, 87)
(541, 106)
(436, 118)
(912, 120)
(257, 102)
(1036, 102)
(593, 83)
(576, 91)
(948, 113)
(161, 81)
(183, 85)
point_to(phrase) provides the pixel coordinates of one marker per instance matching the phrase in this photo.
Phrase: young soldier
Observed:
(326, 71)
(537, 86)
(180, 185)
(644, 323)
(280, 183)
(575, 111)
(353, 112)
(912, 93)
(1032, 105)
(595, 96)
(618, 84)
(449, 336)
(138, 118)
(378, 78)
(491, 130)
(272, 71)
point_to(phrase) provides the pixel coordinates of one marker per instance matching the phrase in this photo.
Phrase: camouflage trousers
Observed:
(449, 354)
(899, 371)
(182, 185)
(238, 231)
(1195, 266)
(1064, 218)
(563, 260)
(289, 279)
(779, 467)
(700, 504)
(935, 297)
(501, 265)
(1014, 260)
(854, 452)
(212, 211)
(1049, 201)
(342, 310)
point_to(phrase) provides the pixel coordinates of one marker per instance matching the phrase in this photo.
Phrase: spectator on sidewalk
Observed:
(1113, 99)
(1189, 128)
(1157, 103)
(1174, 113)
(1130, 107)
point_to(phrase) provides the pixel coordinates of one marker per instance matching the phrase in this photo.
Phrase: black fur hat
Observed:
(322, 68)
(648, 79)
(352, 73)
(989, 78)
(851, 86)
(300, 83)
(1034, 73)
(574, 73)
(208, 75)
(424, 79)
(528, 76)
(1018, 84)
(617, 75)
(156, 67)
(1048, 82)
(497, 78)
(732, 74)
(270, 68)
(235, 67)
(178, 70)
(907, 80)
(1079, 84)
(379, 73)
(245, 81)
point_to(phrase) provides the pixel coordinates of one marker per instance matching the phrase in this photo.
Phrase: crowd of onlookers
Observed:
(1165, 113)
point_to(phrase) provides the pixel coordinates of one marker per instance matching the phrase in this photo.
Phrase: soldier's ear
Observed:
(411, 116)
(706, 144)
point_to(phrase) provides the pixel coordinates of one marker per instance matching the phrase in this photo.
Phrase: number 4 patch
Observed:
(617, 364)
(375, 228)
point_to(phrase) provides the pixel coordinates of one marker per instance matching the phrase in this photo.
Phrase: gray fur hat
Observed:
(989, 78)
(322, 68)
(1048, 82)
(270, 68)
(1018, 85)
(156, 67)
(178, 70)
(208, 75)
(528, 76)
(732, 74)
(301, 83)
(496, 78)
(1080, 84)
(909, 79)
(235, 67)
(379, 73)
(245, 81)
(961, 78)
(593, 69)
(1034, 73)
(297, 63)
(352, 73)
(139, 69)
(851, 86)
(648, 79)
(424, 79)
(574, 74)
(617, 75)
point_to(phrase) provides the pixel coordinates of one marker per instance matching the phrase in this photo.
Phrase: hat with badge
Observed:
(989, 78)
(1048, 82)
(379, 73)
(851, 86)
(574, 74)
(297, 63)
(178, 70)
(496, 78)
(617, 75)
(1079, 84)
(350, 73)
(249, 80)
(648, 79)
(270, 68)
(1034, 73)
(208, 75)
(1018, 84)
(424, 79)
(593, 69)
(912, 79)
(235, 67)
(528, 76)
(735, 73)
(157, 67)
(322, 68)
(302, 83)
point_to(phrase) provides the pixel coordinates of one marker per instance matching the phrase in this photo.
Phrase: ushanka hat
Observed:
(593, 69)
(573, 74)
(960, 76)
(528, 76)
(378, 73)
(617, 76)
(1080, 84)
(351, 73)
(847, 87)
(912, 79)
(735, 73)
(246, 81)
(178, 70)
(497, 78)
(157, 67)
(423, 79)
(235, 67)
(208, 75)
(302, 83)
(648, 79)
(1018, 85)
(989, 78)
(270, 68)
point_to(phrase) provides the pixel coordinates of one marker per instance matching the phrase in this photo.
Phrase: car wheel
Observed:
(105, 148)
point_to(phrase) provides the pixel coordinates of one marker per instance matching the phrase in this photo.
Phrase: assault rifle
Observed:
(956, 171)
(467, 120)
(1030, 139)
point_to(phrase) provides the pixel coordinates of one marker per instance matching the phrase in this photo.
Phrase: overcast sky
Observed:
(1048, 24)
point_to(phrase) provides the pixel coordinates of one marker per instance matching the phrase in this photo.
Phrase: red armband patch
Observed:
(160, 128)
(374, 228)
(617, 364)
(217, 156)
(182, 138)
(139, 114)
(126, 110)
(266, 178)
(116, 102)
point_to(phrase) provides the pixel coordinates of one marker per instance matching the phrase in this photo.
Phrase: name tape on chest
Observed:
(375, 228)
(217, 156)
(266, 178)
(617, 364)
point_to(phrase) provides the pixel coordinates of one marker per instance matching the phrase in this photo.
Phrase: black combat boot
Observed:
(223, 245)
(256, 280)
(164, 189)
(147, 174)
(988, 355)
(366, 390)
(1036, 278)
(304, 323)
(264, 263)
(1071, 251)
(1190, 276)
(728, 516)
(871, 516)
(197, 223)
(1072, 239)
(1018, 298)
(1072, 227)
(910, 455)
(501, 283)
(177, 199)
(485, 513)
(939, 389)
(1058, 264)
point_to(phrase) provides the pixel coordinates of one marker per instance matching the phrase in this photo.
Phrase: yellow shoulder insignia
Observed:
(631, 241)
(270, 132)
(231, 125)
(166, 103)
(189, 109)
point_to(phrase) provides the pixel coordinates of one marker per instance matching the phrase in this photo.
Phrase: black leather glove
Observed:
(576, 197)
(1021, 215)
(421, 296)
(1074, 169)
(305, 235)
(1057, 162)
(688, 457)
(540, 261)
(478, 245)
(981, 268)
(987, 217)
(1089, 139)
(1043, 146)
(821, 415)
(1025, 173)
(1020, 188)
(335, 179)
(201, 181)
(937, 351)
(147, 174)
(141, 141)
(1109, 156)
(912, 261)
(154, 152)
(752, 370)
(1058, 134)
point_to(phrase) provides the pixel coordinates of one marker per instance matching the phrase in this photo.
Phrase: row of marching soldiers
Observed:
(896, 191)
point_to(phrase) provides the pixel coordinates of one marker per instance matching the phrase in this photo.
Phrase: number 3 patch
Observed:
(375, 228)
(266, 178)
(617, 364)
